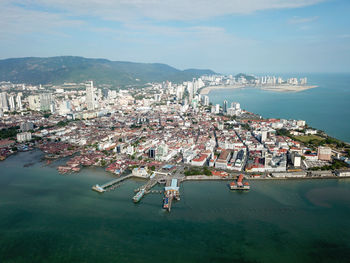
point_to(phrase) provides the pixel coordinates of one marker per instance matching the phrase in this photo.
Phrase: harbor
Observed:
(172, 182)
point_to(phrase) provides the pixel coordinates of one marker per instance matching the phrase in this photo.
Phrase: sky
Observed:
(227, 36)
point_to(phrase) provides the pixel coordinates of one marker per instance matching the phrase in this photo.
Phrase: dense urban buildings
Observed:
(160, 123)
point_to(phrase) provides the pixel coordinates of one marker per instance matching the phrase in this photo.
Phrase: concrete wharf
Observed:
(104, 187)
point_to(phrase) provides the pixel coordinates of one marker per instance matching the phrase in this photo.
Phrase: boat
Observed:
(138, 196)
(166, 203)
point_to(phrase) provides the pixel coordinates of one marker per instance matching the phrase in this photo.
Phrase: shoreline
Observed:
(277, 88)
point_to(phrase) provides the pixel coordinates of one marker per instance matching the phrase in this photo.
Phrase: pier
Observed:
(146, 189)
(104, 187)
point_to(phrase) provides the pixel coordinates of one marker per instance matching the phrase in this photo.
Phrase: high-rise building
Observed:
(26, 126)
(45, 101)
(3, 101)
(34, 102)
(65, 107)
(263, 136)
(217, 108)
(190, 89)
(90, 96)
(224, 106)
(152, 153)
(12, 103)
(206, 100)
(236, 105)
(19, 102)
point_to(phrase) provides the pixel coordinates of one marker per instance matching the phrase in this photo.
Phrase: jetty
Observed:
(104, 187)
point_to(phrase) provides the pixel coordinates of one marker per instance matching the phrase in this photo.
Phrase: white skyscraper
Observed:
(46, 101)
(90, 96)
(3, 101)
(19, 102)
(206, 100)
(190, 89)
(12, 103)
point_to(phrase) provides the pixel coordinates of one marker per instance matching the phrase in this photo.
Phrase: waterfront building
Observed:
(140, 172)
(217, 108)
(236, 105)
(224, 107)
(324, 153)
(206, 100)
(301, 123)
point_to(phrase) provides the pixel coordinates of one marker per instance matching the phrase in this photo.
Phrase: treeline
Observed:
(9, 132)
(334, 166)
(198, 171)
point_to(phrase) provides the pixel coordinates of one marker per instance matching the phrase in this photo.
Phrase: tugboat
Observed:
(240, 185)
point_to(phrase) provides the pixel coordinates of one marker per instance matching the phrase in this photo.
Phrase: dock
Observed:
(171, 192)
(146, 189)
(240, 185)
(104, 187)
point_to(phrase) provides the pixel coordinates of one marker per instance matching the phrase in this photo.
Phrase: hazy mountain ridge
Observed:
(57, 70)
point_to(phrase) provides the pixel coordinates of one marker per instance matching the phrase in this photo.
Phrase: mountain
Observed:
(57, 70)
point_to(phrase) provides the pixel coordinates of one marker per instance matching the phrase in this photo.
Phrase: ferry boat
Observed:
(239, 185)
(138, 196)
(166, 203)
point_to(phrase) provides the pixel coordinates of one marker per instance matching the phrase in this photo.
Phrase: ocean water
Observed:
(48, 217)
(326, 107)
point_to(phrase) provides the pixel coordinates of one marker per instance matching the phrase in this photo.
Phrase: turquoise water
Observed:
(326, 107)
(48, 217)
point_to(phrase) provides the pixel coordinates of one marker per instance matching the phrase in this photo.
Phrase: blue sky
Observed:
(228, 36)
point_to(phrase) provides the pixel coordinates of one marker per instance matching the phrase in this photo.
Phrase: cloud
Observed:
(163, 10)
(16, 20)
(302, 20)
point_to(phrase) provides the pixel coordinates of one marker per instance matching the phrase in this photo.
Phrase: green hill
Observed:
(57, 70)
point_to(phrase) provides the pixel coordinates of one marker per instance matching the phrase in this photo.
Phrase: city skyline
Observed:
(225, 36)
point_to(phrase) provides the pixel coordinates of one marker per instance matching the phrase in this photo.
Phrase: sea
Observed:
(49, 217)
(326, 107)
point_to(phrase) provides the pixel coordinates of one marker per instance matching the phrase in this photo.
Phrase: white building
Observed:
(19, 102)
(24, 136)
(12, 103)
(90, 96)
(34, 102)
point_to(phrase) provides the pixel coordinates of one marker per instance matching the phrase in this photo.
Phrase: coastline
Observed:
(277, 88)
